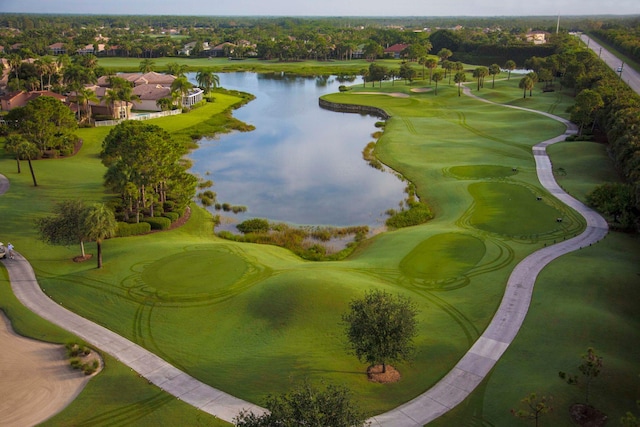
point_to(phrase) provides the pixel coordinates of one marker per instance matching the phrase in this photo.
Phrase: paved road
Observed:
(445, 395)
(628, 74)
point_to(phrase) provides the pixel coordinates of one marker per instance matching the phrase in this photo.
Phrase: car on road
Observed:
(619, 69)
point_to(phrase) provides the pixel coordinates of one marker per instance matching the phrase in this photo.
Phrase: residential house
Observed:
(537, 37)
(57, 49)
(21, 98)
(188, 48)
(222, 50)
(395, 50)
(149, 95)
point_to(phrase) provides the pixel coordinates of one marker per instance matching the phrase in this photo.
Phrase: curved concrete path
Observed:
(445, 395)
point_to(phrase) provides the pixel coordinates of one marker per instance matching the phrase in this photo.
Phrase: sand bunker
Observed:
(421, 89)
(37, 381)
(394, 94)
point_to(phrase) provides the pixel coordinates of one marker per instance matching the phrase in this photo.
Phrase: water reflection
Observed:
(302, 164)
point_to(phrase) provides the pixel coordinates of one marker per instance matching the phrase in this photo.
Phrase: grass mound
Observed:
(481, 171)
(201, 271)
(445, 256)
(513, 210)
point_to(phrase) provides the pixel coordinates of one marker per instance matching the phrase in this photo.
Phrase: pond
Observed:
(302, 165)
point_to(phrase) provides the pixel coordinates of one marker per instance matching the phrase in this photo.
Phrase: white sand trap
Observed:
(36, 381)
(394, 94)
(421, 89)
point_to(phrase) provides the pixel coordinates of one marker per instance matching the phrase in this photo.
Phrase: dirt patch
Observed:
(587, 415)
(37, 380)
(81, 258)
(375, 374)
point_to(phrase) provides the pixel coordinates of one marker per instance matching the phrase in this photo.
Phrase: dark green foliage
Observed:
(307, 405)
(158, 223)
(126, 229)
(617, 201)
(381, 327)
(173, 216)
(418, 213)
(255, 225)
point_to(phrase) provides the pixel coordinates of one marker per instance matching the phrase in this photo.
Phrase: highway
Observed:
(628, 75)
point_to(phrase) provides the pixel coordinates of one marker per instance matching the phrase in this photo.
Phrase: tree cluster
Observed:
(144, 167)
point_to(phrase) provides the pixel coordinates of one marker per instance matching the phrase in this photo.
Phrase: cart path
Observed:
(476, 364)
(443, 396)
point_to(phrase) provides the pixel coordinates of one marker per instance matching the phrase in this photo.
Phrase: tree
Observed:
(534, 79)
(460, 78)
(380, 328)
(377, 73)
(146, 65)
(407, 72)
(615, 200)
(437, 76)
(589, 368)
(181, 87)
(66, 226)
(100, 224)
(525, 84)
(15, 62)
(535, 408)
(480, 73)
(444, 54)
(207, 80)
(431, 63)
(85, 97)
(583, 110)
(25, 149)
(306, 405)
(510, 65)
(176, 69)
(494, 69)
(11, 144)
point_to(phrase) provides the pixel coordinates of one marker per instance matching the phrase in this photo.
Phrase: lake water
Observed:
(301, 165)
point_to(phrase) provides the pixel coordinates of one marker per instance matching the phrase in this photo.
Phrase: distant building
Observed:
(19, 99)
(537, 37)
(395, 50)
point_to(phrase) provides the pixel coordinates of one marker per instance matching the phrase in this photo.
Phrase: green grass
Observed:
(252, 319)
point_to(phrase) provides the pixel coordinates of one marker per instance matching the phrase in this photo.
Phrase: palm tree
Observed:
(480, 73)
(15, 62)
(437, 76)
(493, 70)
(207, 80)
(181, 86)
(431, 63)
(510, 65)
(164, 103)
(526, 83)
(100, 224)
(178, 70)
(126, 94)
(146, 65)
(460, 78)
(23, 149)
(85, 96)
(110, 98)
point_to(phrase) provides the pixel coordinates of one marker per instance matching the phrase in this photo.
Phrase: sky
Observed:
(326, 7)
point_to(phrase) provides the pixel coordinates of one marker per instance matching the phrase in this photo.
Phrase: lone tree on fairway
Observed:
(460, 78)
(590, 368)
(534, 408)
(67, 226)
(100, 223)
(380, 328)
(307, 405)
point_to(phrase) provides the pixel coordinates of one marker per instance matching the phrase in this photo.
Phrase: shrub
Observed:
(125, 229)
(158, 223)
(343, 88)
(255, 225)
(173, 216)
(418, 213)
(380, 124)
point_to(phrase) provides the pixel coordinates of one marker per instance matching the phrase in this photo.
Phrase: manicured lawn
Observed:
(252, 319)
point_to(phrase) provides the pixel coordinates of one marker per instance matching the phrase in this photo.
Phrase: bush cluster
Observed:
(126, 229)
